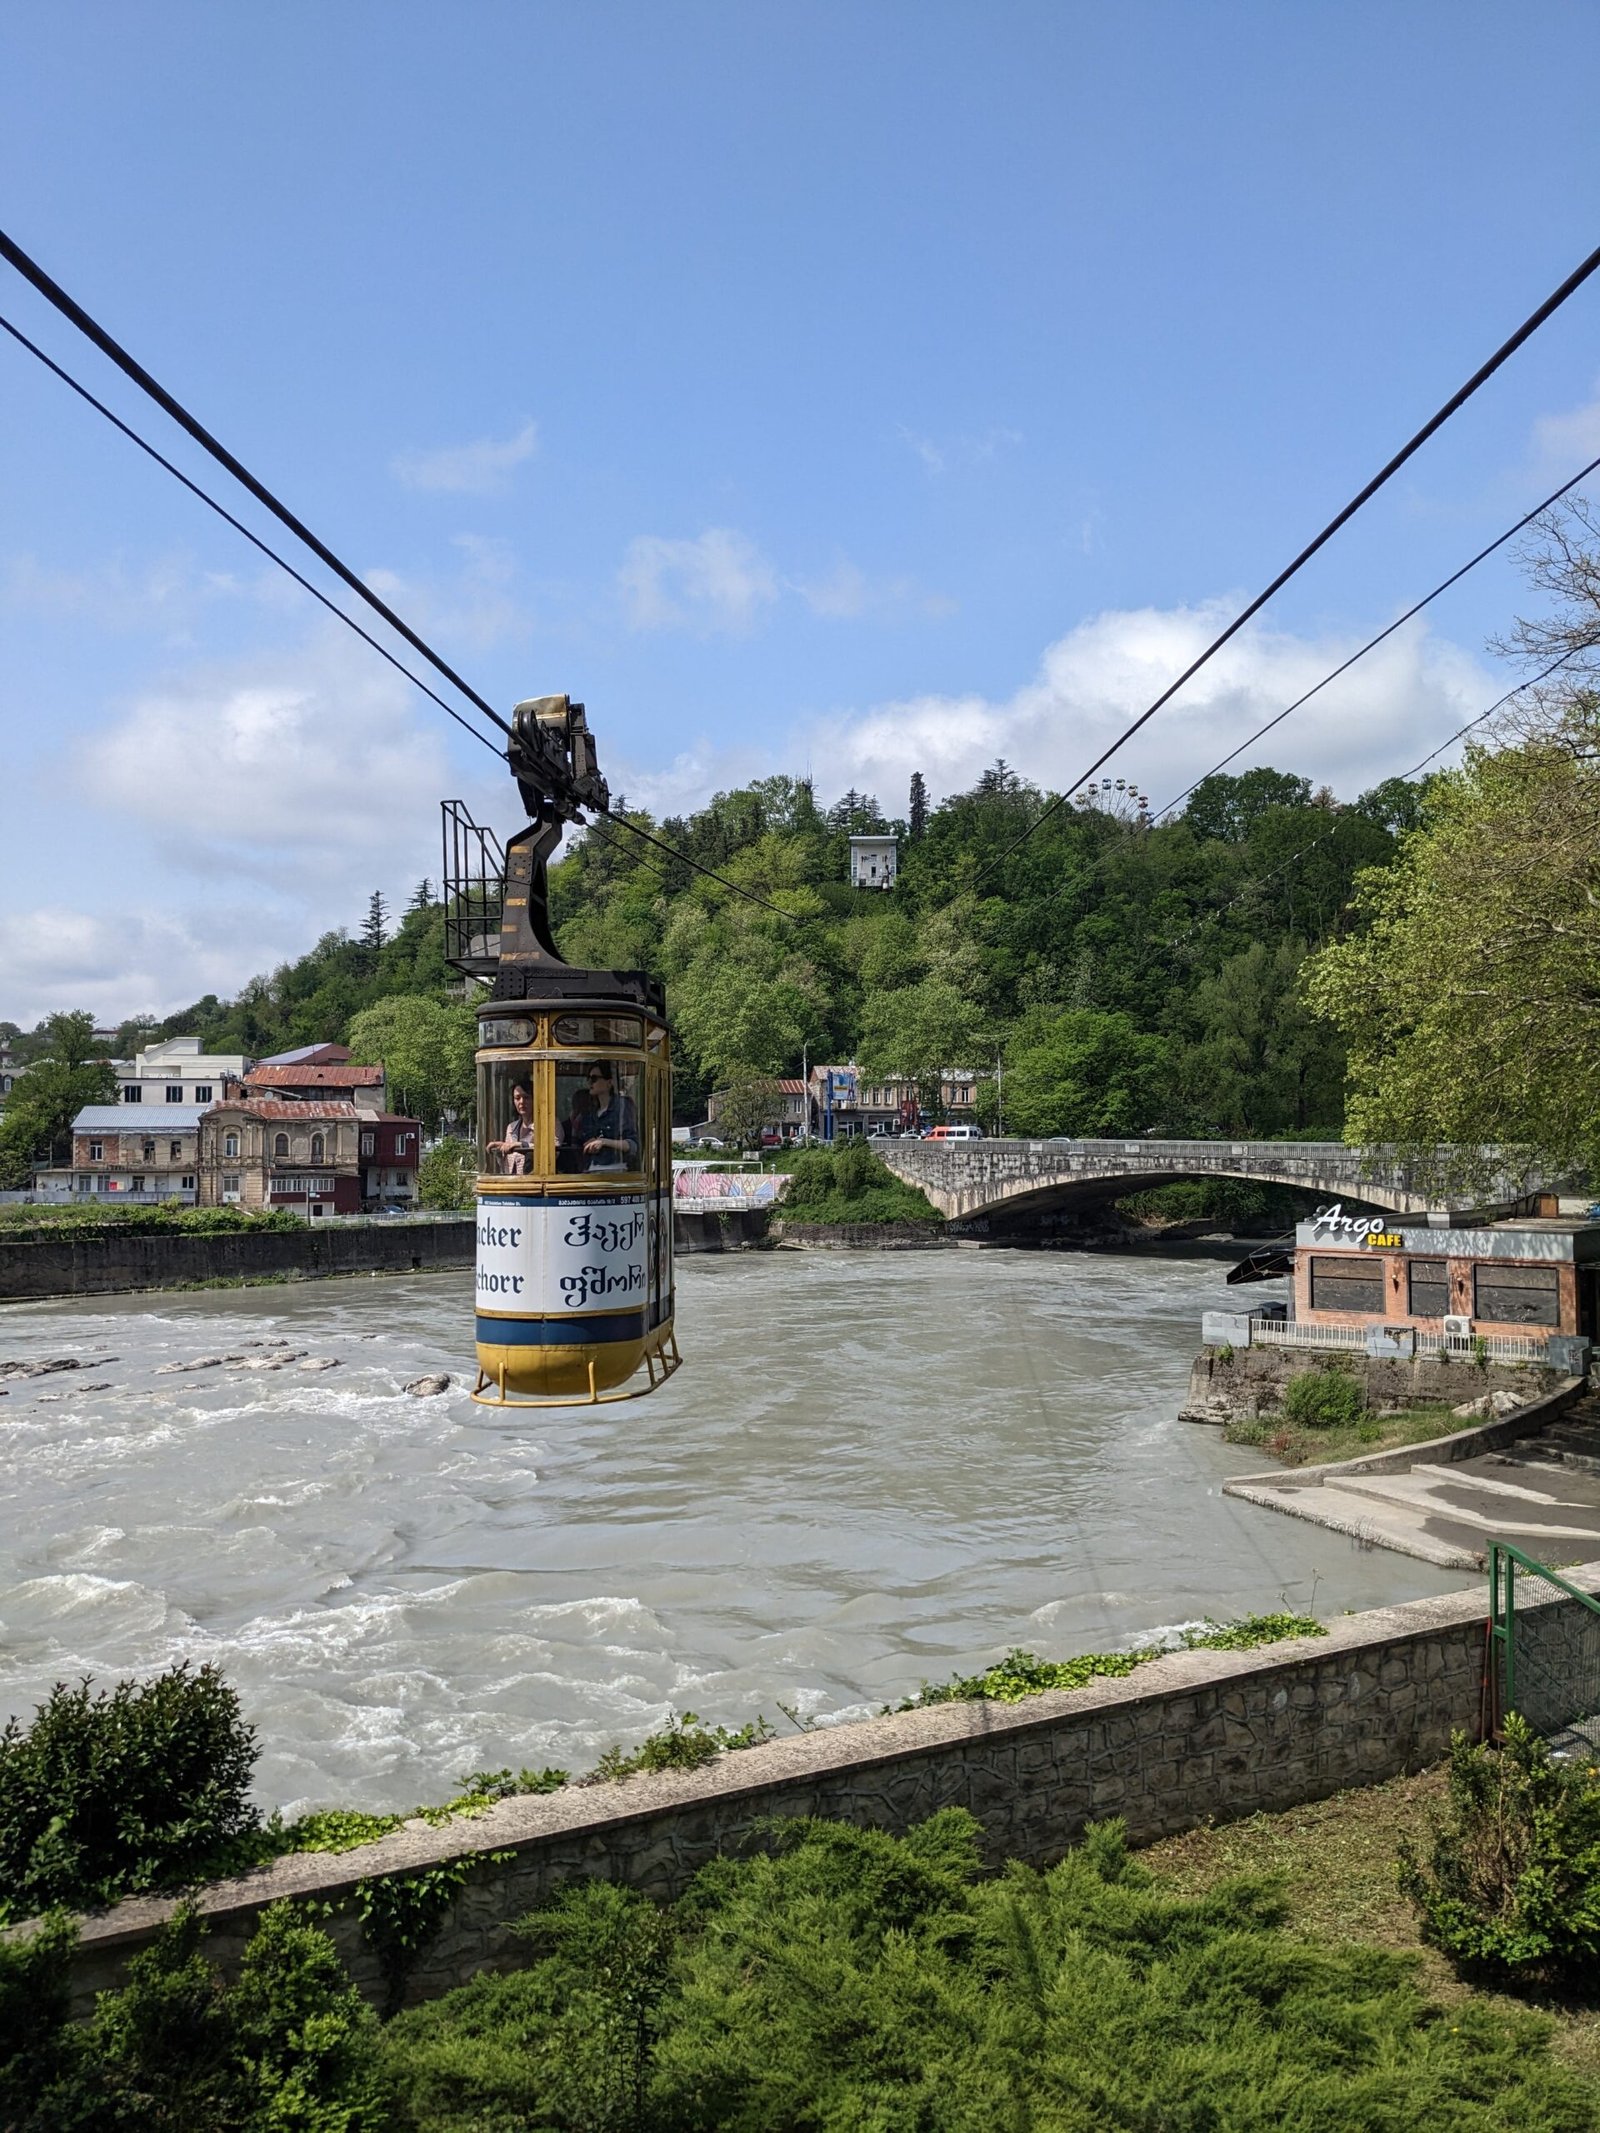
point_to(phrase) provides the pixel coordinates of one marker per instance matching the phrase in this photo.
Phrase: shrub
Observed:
(290, 2045)
(142, 1787)
(1511, 1884)
(684, 1743)
(843, 1978)
(1324, 1399)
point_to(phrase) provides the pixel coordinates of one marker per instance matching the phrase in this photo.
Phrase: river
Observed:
(874, 1469)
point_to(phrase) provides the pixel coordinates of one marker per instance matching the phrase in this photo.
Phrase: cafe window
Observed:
(1429, 1288)
(1518, 1295)
(1347, 1284)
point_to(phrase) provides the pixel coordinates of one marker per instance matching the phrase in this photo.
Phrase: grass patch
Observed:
(1020, 1674)
(1297, 1444)
(1336, 1863)
(25, 1225)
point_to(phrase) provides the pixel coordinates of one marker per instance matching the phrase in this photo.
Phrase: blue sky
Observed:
(856, 388)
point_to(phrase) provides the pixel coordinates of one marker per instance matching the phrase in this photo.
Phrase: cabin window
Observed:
(600, 1031)
(1347, 1284)
(1429, 1291)
(505, 1029)
(508, 1117)
(598, 1125)
(1518, 1295)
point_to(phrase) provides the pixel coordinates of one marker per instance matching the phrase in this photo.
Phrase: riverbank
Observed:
(1189, 1737)
(41, 1266)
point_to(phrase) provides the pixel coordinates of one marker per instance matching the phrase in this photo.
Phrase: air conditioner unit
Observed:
(1457, 1327)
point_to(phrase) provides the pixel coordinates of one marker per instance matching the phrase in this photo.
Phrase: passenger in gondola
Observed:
(516, 1149)
(573, 1130)
(613, 1142)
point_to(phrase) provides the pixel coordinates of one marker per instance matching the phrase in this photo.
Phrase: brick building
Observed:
(390, 1149)
(265, 1152)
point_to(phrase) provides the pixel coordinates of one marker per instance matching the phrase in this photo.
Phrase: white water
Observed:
(874, 1468)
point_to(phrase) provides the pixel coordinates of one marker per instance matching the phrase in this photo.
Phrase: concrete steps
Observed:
(1541, 1493)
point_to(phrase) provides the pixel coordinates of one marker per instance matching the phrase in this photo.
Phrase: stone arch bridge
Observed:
(967, 1180)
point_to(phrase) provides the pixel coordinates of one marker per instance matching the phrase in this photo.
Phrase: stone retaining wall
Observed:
(64, 1265)
(1190, 1736)
(1242, 1382)
(859, 1236)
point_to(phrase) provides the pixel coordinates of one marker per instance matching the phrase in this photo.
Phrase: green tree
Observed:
(914, 1033)
(1072, 1071)
(426, 1050)
(1263, 1063)
(748, 1103)
(1228, 807)
(917, 808)
(376, 930)
(447, 1174)
(47, 1096)
(1471, 999)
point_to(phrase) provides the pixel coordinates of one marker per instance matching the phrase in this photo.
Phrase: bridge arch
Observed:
(964, 1179)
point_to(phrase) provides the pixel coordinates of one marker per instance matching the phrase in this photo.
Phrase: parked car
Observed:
(953, 1133)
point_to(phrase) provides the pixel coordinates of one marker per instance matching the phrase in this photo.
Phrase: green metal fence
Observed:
(1544, 1637)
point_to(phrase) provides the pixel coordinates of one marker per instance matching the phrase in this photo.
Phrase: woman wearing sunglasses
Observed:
(613, 1131)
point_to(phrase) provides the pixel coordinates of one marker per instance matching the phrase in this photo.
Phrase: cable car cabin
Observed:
(574, 1093)
(574, 1265)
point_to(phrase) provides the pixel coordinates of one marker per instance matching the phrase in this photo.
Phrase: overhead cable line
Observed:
(1259, 880)
(53, 293)
(1458, 399)
(239, 526)
(349, 621)
(710, 873)
(1372, 643)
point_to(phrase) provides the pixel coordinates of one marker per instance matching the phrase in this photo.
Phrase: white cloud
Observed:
(479, 469)
(1372, 723)
(848, 594)
(939, 455)
(720, 582)
(1562, 443)
(1377, 721)
(232, 816)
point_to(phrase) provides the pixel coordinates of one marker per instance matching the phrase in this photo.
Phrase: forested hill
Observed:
(1130, 976)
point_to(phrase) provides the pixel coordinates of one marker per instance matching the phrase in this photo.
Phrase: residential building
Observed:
(137, 1153)
(176, 1071)
(317, 1079)
(265, 1152)
(789, 1119)
(843, 1101)
(391, 1148)
(874, 861)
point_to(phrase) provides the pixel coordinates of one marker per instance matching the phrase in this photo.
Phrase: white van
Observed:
(954, 1133)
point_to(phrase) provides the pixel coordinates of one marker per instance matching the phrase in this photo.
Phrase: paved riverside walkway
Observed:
(1541, 1492)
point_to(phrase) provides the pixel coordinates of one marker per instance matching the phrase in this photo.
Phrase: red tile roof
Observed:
(315, 1077)
(265, 1107)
